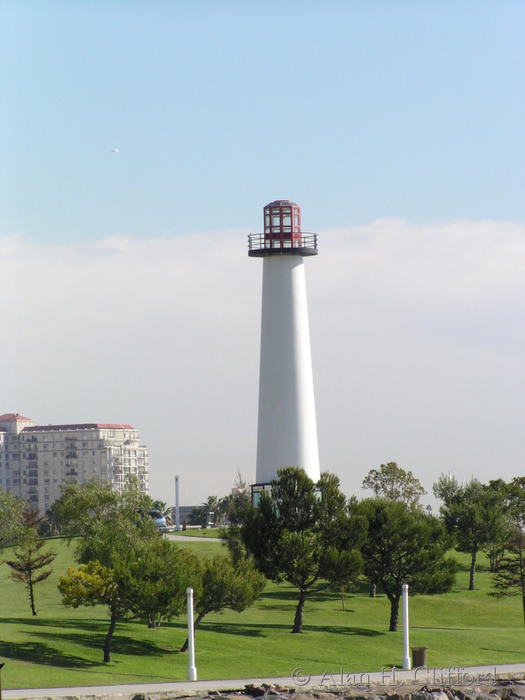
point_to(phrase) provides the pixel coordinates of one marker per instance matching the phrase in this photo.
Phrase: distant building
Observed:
(184, 514)
(37, 460)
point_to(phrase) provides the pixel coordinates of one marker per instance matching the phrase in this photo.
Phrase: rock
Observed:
(421, 695)
(439, 694)
(465, 693)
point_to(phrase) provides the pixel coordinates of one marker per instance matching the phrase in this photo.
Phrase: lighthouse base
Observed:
(257, 492)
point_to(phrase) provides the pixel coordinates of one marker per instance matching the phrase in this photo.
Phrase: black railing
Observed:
(261, 244)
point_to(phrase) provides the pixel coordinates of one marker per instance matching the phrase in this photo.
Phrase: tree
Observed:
(302, 533)
(213, 509)
(225, 584)
(148, 582)
(509, 579)
(82, 508)
(198, 516)
(214, 512)
(232, 508)
(93, 584)
(51, 525)
(103, 521)
(392, 483)
(29, 562)
(405, 546)
(495, 547)
(446, 487)
(155, 579)
(239, 501)
(118, 550)
(11, 519)
(475, 515)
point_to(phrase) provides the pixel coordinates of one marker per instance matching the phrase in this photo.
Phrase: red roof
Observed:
(14, 416)
(80, 426)
(116, 426)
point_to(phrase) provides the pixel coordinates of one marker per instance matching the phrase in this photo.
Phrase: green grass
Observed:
(63, 647)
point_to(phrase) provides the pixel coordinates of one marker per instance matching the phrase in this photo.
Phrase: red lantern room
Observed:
(282, 232)
(282, 218)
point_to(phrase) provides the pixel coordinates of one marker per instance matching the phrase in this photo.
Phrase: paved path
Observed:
(186, 538)
(462, 676)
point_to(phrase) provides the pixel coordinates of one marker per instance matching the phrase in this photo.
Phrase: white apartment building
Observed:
(37, 460)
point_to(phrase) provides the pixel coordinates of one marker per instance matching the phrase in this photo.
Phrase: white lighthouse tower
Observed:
(287, 430)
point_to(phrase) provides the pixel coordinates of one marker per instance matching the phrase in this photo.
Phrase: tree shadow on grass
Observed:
(322, 594)
(290, 609)
(345, 631)
(233, 629)
(258, 630)
(292, 595)
(121, 644)
(440, 628)
(65, 623)
(44, 654)
(89, 634)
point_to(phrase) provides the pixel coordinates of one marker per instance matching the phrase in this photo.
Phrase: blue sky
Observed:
(126, 294)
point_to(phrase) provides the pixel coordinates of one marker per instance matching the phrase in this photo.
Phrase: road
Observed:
(453, 676)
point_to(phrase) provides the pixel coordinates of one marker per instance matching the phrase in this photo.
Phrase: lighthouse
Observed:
(287, 429)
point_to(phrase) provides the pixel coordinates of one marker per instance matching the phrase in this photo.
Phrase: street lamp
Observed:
(406, 657)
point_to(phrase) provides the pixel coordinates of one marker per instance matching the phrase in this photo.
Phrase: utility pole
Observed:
(177, 520)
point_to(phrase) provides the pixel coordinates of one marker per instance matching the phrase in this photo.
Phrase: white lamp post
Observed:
(192, 669)
(406, 657)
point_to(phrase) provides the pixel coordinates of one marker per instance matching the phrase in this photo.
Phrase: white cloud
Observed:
(417, 336)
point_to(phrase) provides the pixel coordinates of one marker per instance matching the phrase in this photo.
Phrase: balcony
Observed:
(262, 244)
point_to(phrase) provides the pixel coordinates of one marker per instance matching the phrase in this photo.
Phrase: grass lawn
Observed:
(63, 647)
